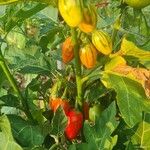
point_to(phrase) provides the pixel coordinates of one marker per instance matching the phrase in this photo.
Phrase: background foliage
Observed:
(31, 33)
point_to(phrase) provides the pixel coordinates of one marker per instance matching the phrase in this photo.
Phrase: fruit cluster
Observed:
(75, 118)
(85, 18)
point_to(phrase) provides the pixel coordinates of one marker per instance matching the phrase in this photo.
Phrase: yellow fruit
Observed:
(71, 11)
(102, 42)
(89, 20)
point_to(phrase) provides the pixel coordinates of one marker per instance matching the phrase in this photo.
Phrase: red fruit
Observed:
(57, 102)
(75, 122)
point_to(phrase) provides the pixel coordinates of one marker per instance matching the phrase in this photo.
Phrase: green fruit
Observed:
(95, 112)
(137, 3)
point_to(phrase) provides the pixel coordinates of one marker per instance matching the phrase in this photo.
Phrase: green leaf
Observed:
(51, 13)
(29, 64)
(7, 142)
(99, 135)
(59, 122)
(142, 135)
(4, 2)
(20, 15)
(16, 39)
(27, 135)
(9, 100)
(130, 97)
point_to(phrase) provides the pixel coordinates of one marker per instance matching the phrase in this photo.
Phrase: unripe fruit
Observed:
(138, 4)
(102, 42)
(89, 20)
(94, 112)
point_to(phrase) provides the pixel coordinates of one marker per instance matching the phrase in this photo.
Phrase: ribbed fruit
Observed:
(88, 55)
(102, 42)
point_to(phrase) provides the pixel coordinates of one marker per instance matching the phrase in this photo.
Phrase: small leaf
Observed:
(130, 49)
(59, 122)
(9, 100)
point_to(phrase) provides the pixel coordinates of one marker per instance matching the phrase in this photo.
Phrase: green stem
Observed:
(114, 34)
(15, 87)
(77, 67)
(54, 146)
(92, 75)
(117, 26)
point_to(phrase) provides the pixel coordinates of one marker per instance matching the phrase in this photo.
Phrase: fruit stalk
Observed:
(78, 68)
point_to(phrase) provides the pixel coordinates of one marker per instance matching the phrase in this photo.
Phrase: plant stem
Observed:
(117, 26)
(54, 146)
(92, 75)
(114, 34)
(15, 87)
(77, 67)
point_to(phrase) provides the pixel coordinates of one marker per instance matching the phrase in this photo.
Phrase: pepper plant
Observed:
(74, 74)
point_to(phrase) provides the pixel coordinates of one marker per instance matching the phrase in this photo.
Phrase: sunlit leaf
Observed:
(130, 49)
(130, 97)
(59, 123)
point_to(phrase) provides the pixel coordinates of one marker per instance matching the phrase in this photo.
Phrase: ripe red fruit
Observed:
(75, 122)
(57, 102)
